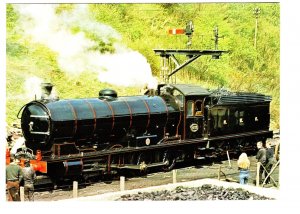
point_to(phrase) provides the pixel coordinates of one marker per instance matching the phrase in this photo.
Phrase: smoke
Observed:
(76, 52)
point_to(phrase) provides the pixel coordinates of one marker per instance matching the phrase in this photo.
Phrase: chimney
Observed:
(46, 92)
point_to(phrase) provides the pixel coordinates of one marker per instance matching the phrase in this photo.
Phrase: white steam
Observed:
(76, 52)
(33, 88)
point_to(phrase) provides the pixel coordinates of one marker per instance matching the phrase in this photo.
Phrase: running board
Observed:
(137, 167)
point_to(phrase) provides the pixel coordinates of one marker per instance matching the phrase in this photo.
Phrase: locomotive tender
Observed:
(181, 122)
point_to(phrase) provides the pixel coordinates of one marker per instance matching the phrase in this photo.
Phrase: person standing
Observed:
(261, 157)
(269, 159)
(14, 176)
(243, 166)
(29, 178)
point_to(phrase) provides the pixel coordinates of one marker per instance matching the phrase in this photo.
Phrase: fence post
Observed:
(219, 172)
(75, 189)
(257, 173)
(269, 174)
(122, 183)
(22, 196)
(174, 176)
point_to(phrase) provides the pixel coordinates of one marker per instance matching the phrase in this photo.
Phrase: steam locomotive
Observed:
(170, 124)
(175, 123)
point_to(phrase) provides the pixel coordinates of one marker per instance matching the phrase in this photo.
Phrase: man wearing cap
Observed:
(29, 178)
(14, 175)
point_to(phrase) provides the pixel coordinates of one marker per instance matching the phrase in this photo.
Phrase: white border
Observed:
(289, 119)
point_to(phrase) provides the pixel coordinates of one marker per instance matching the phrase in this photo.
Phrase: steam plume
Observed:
(33, 87)
(76, 52)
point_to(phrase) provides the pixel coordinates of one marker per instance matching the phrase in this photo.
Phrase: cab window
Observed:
(190, 108)
(198, 108)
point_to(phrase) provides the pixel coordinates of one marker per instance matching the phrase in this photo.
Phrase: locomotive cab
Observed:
(190, 99)
(194, 117)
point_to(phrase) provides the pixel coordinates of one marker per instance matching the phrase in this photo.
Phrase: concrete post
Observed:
(75, 189)
(122, 183)
(22, 195)
(174, 176)
(228, 159)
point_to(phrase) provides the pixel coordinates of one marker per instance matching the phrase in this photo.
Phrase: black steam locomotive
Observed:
(173, 123)
(178, 122)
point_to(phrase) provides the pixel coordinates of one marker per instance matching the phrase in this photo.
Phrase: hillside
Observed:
(84, 49)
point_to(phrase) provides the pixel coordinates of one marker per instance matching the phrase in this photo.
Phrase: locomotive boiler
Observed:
(98, 122)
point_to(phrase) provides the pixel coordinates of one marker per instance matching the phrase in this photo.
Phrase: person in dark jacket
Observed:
(29, 178)
(269, 159)
(14, 176)
(261, 157)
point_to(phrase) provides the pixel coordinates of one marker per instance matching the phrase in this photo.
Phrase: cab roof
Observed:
(188, 90)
